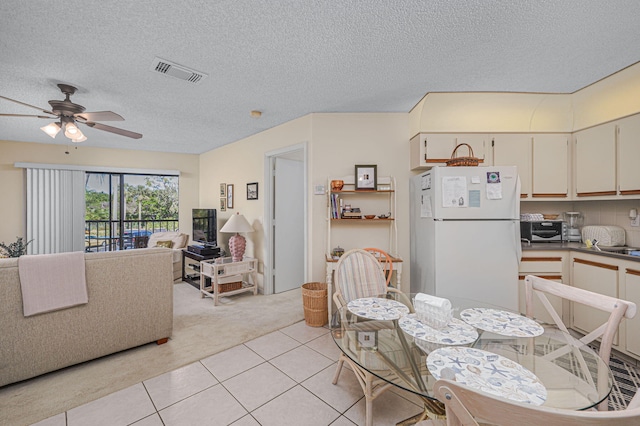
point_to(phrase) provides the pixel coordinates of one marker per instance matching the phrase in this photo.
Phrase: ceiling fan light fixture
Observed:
(71, 130)
(51, 129)
(79, 138)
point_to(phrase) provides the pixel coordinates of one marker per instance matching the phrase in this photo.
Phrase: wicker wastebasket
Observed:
(314, 300)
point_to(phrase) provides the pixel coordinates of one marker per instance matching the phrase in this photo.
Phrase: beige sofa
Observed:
(130, 304)
(179, 242)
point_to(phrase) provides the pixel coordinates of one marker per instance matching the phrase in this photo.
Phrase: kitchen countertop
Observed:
(579, 247)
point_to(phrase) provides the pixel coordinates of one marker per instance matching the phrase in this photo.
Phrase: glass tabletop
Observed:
(396, 348)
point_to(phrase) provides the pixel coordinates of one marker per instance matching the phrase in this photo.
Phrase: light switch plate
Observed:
(318, 190)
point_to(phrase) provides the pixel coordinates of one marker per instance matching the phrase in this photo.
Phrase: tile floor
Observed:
(282, 378)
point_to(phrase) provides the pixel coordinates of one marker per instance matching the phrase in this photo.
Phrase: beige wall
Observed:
(336, 143)
(12, 179)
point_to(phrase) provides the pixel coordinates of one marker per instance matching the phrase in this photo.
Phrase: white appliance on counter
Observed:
(465, 233)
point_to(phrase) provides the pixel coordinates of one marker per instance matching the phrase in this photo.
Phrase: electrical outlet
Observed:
(636, 221)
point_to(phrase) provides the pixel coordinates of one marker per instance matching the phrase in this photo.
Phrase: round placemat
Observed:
(501, 322)
(377, 308)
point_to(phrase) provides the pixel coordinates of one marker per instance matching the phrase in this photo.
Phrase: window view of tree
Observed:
(149, 204)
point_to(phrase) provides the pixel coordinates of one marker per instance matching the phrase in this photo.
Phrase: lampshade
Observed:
(51, 129)
(71, 130)
(237, 223)
(79, 137)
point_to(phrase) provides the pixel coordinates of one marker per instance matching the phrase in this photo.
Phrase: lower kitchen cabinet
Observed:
(632, 294)
(591, 273)
(543, 264)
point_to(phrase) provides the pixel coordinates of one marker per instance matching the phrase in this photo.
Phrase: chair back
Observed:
(387, 264)
(617, 308)
(467, 406)
(359, 274)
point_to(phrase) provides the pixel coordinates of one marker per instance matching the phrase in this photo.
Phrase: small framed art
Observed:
(252, 191)
(230, 196)
(223, 204)
(223, 190)
(366, 177)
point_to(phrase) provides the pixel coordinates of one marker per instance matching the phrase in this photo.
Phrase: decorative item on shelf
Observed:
(252, 191)
(369, 216)
(337, 252)
(384, 216)
(366, 177)
(470, 160)
(337, 185)
(237, 243)
(351, 212)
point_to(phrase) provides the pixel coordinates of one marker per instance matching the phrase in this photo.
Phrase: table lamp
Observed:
(237, 243)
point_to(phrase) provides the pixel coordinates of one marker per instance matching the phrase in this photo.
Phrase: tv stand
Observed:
(194, 278)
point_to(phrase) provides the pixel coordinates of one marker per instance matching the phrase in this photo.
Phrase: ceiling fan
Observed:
(69, 114)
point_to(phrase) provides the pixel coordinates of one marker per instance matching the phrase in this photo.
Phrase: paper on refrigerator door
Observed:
(454, 191)
(425, 206)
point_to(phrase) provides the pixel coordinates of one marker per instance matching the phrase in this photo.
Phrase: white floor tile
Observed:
(152, 420)
(231, 362)
(304, 333)
(326, 346)
(388, 409)
(57, 420)
(119, 408)
(247, 420)
(301, 363)
(176, 385)
(273, 344)
(213, 406)
(258, 385)
(295, 407)
(341, 396)
(343, 421)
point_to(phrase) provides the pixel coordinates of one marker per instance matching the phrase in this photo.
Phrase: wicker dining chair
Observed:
(360, 274)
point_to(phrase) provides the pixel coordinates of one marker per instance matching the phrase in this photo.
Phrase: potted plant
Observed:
(15, 249)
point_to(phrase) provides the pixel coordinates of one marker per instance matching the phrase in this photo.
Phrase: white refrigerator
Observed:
(465, 233)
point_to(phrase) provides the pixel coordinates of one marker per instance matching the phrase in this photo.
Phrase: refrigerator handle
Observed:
(518, 242)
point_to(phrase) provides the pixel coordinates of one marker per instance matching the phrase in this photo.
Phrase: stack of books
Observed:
(351, 213)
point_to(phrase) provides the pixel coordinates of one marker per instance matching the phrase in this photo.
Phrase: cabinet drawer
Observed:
(537, 265)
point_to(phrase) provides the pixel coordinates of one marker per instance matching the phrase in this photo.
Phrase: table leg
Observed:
(329, 289)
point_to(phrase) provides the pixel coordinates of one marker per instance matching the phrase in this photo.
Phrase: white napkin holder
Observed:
(433, 311)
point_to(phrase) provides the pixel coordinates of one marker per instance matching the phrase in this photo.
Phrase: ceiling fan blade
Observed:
(100, 116)
(28, 115)
(30, 106)
(115, 130)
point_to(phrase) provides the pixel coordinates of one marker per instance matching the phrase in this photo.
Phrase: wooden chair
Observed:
(387, 264)
(470, 407)
(359, 274)
(617, 308)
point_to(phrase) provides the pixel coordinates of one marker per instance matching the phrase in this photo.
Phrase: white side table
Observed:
(236, 277)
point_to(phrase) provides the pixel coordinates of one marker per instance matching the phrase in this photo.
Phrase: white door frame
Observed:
(269, 160)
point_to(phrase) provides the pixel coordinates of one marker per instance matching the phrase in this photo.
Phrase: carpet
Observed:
(200, 330)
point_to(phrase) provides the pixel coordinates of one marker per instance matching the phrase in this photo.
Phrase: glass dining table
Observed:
(483, 346)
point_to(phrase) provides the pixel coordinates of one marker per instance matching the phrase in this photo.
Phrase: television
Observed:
(205, 227)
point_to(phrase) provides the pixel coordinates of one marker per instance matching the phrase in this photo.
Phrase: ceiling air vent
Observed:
(178, 71)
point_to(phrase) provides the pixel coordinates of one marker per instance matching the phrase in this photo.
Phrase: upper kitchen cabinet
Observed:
(628, 155)
(595, 161)
(550, 165)
(434, 149)
(514, 150)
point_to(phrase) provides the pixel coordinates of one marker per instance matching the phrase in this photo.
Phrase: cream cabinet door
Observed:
(629, 155)
(598, 278)
(595, 156)
(550, 165)
(632, 289)
(514, 150)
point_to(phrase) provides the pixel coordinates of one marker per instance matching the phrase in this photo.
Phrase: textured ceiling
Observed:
(291, 58)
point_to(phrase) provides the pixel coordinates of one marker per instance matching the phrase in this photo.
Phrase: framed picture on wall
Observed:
(366, 177)
(223, 204)
(223, 190)
(230, 196)
(252, 191)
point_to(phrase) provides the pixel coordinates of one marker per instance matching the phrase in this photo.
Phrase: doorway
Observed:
(286, 219)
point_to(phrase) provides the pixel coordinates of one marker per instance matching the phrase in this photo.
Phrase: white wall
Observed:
(336, 143)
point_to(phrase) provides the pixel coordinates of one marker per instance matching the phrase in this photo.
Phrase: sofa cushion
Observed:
(179, 239)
